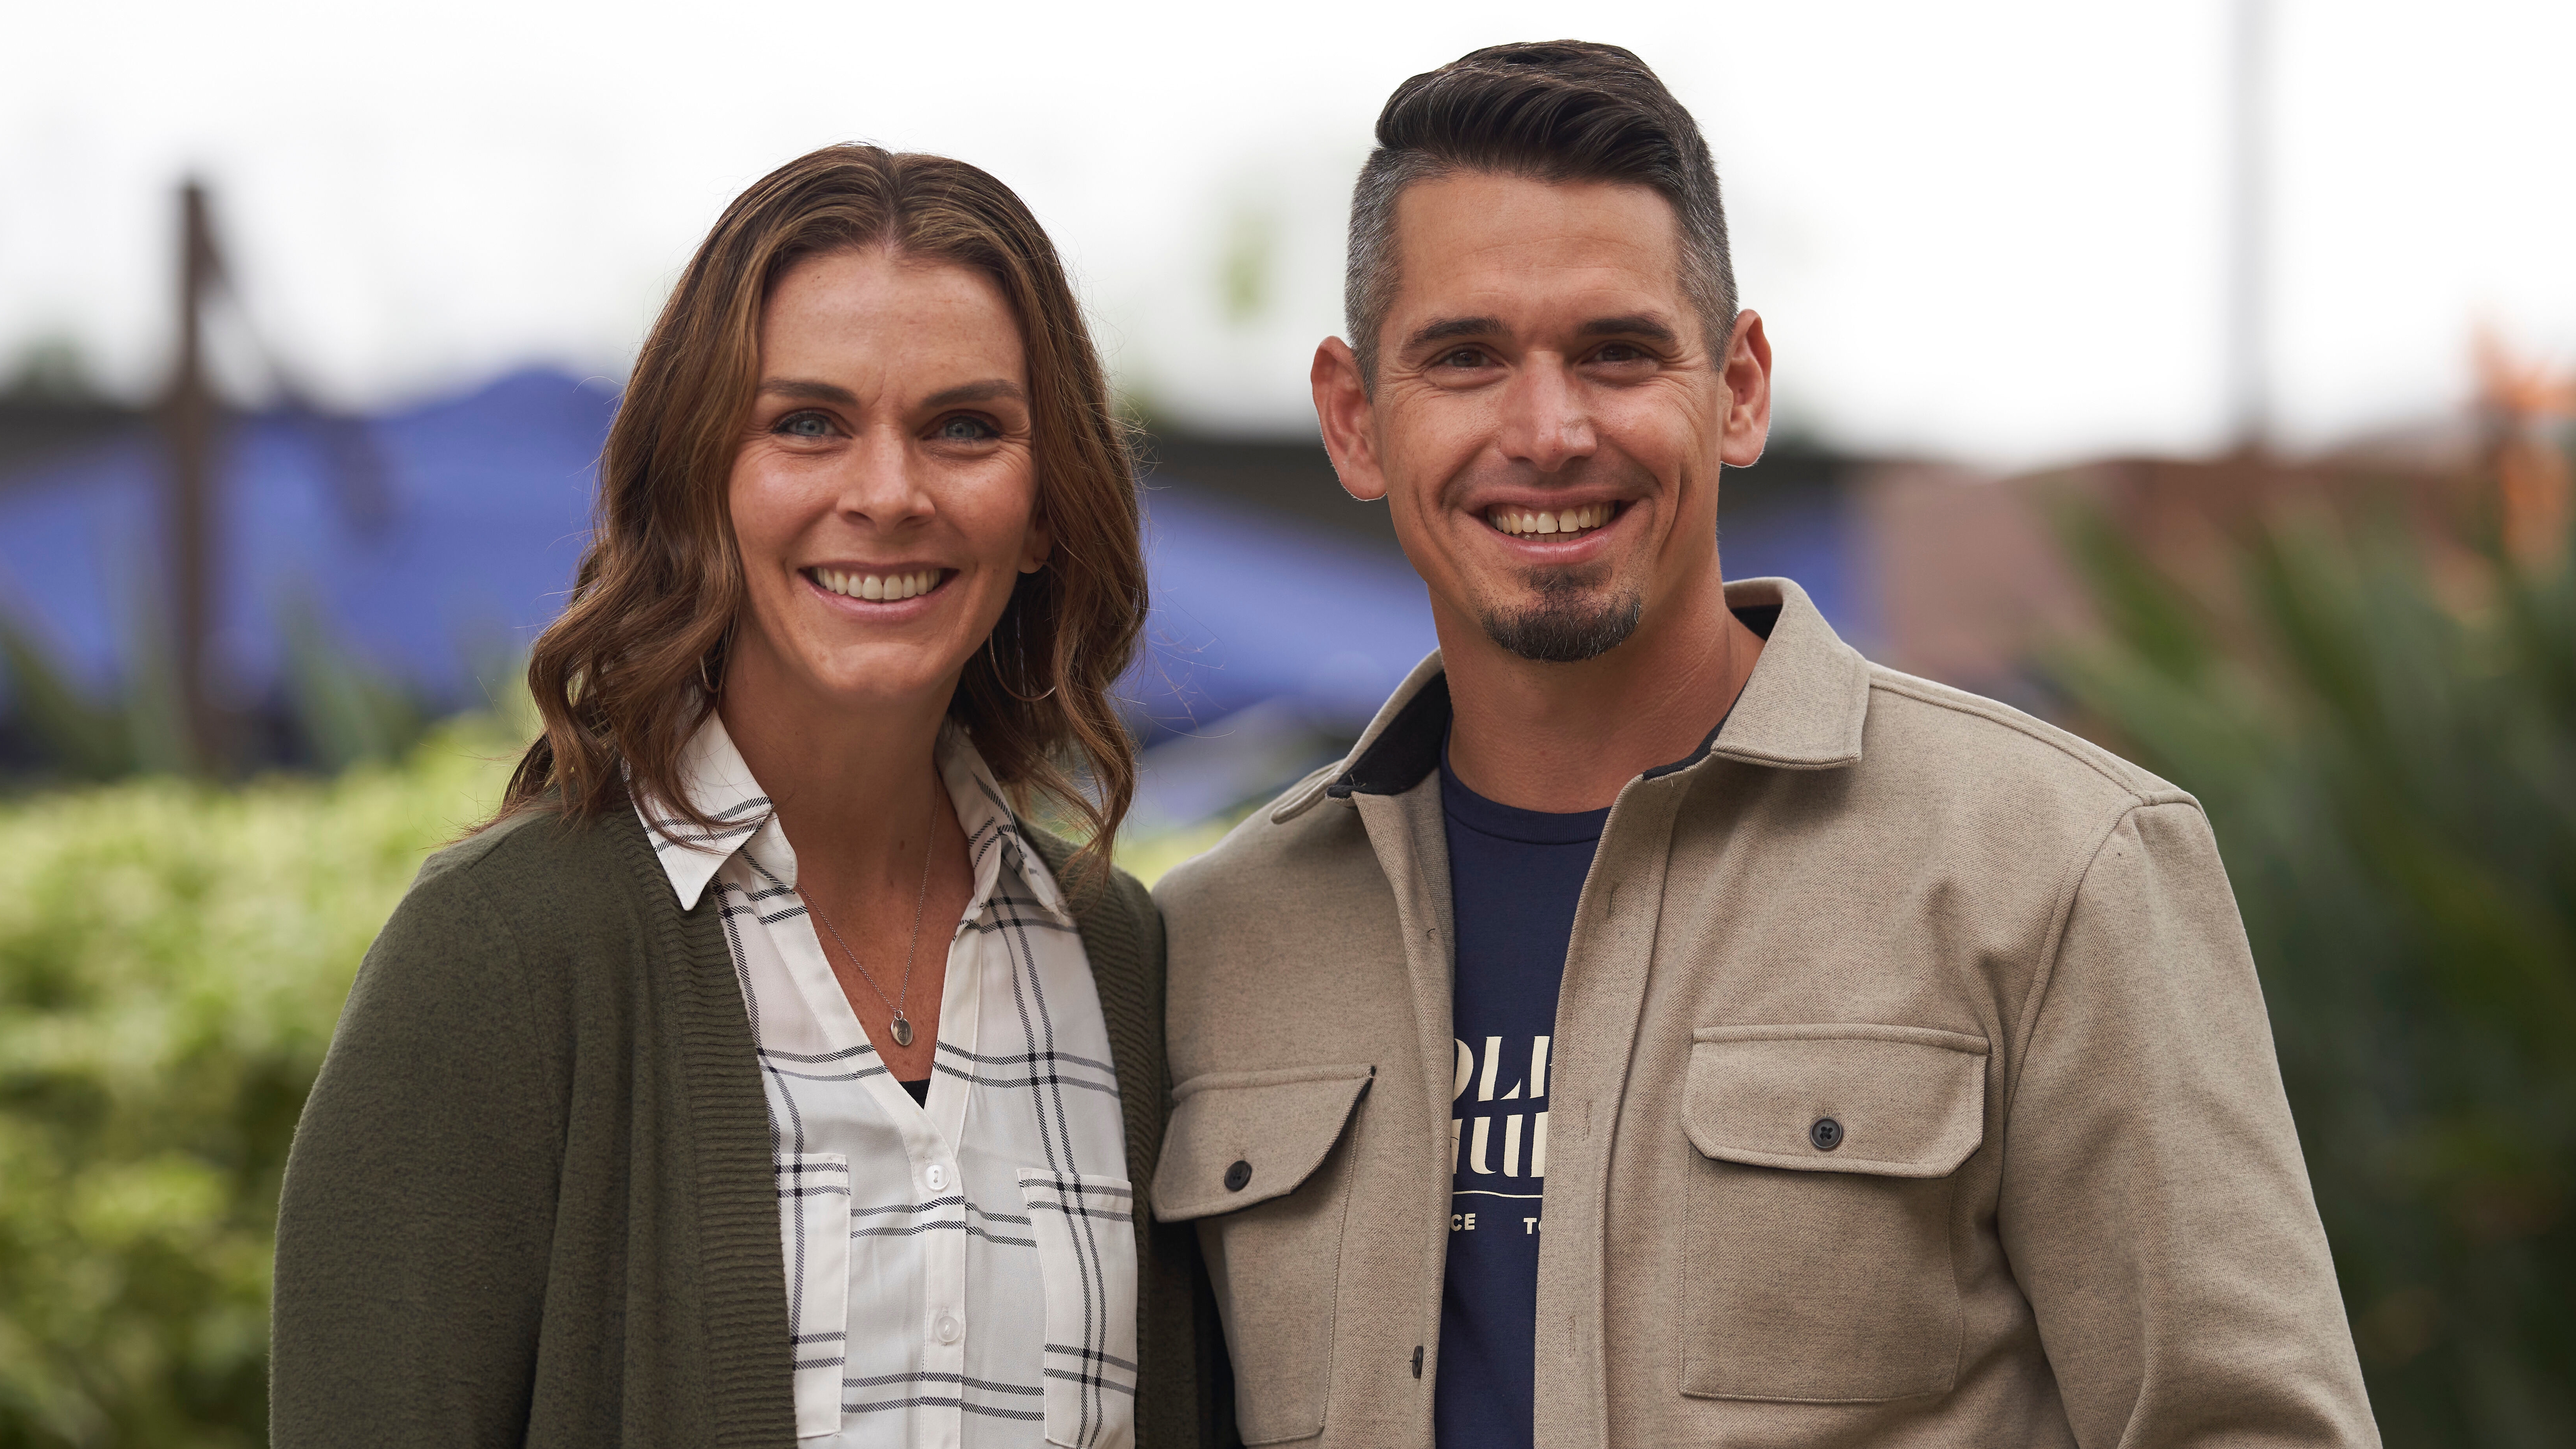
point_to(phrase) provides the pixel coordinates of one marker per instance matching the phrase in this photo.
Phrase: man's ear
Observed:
(1349, 423)
(1747, 379)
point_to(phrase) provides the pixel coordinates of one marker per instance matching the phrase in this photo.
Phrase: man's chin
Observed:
(1565, 626)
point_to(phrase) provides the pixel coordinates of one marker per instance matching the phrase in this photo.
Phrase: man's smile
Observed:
(1541, 522)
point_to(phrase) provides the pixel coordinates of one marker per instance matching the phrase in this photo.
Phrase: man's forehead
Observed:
(1483, 245)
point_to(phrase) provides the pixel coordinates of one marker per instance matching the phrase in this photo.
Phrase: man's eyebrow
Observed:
(985, 391)
(1653, 329)
(807, 390)
(1449, 327)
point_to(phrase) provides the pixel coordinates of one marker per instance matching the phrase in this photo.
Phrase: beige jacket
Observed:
(2065, 1205)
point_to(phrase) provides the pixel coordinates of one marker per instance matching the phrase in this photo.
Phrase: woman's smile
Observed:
(896, 584)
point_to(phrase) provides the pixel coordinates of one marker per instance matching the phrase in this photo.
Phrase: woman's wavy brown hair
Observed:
(617, 677)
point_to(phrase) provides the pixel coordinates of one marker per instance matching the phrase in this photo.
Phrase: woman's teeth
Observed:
(1571, 520)
(886, 587)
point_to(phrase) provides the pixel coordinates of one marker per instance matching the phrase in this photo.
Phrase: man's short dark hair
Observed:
(1554, 111)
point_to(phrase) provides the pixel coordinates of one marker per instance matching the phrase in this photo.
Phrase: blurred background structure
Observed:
(2197, 376)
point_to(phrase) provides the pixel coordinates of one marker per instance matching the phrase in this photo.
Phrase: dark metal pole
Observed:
(189, 418)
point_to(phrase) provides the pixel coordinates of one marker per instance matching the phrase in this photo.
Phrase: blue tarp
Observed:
(488, 502)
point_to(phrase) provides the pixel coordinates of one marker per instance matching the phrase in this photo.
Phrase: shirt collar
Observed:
(1802, 709)
(714, 778)
(993, 836)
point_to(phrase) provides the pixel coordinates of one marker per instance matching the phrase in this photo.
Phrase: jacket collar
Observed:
(1803, 709)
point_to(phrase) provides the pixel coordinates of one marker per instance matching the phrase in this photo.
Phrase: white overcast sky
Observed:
(1986, 229)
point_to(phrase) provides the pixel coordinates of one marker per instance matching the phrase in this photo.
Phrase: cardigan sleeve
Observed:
(418, 1210)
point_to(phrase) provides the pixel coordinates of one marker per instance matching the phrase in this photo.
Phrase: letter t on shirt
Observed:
(1515, 878)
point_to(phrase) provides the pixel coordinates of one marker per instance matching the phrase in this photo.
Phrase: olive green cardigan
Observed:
(531, 1200)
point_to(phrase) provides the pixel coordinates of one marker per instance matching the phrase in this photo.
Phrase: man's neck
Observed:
(1567, 737)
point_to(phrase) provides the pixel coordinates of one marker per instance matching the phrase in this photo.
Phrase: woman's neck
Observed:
(853, 786)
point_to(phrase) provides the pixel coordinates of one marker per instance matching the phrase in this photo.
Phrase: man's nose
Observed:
(1547, 420)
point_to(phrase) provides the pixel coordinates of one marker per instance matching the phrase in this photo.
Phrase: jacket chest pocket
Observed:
(1261, 1161)
(1817, 1248)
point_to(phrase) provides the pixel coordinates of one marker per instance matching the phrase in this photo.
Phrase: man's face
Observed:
(1548, 420)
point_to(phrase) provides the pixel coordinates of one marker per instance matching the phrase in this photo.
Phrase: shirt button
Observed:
(947, 1327)
(1237, 1175)
(937, 1177)
(1827, 1134)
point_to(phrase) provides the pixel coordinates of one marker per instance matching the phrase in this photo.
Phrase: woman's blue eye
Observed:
(964, 430)
(804, 425)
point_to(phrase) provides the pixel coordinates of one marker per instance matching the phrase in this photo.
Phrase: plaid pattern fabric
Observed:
(960, 1274)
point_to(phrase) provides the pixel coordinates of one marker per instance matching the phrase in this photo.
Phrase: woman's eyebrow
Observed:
(984, 391)
(808, 391)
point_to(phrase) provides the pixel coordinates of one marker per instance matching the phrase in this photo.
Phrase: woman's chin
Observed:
(890, 679)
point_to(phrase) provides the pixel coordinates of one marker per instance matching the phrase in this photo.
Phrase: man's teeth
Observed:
(1570, 520)
(886, 587)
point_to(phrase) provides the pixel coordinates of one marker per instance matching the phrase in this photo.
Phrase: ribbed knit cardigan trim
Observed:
(748, 1364)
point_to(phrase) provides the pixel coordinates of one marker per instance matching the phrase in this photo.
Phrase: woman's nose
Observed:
(882, 480)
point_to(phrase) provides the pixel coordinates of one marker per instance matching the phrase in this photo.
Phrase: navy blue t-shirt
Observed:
(1515, 877)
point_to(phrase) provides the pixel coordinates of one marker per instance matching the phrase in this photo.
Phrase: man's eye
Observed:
(965, 430)
(1462, 357)
(805, 425)
(1618, 352)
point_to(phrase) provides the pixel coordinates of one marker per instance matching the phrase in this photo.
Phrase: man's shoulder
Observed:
(1281, 850)
(1941, 737)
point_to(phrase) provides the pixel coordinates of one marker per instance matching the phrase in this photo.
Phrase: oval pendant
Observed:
(902, 1032)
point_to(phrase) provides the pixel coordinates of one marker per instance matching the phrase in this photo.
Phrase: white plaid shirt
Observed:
(960, 1275)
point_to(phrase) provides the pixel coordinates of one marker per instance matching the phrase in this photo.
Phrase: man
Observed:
(1667, 1027)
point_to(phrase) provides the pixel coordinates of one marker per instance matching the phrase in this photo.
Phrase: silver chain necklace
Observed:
(903, 993)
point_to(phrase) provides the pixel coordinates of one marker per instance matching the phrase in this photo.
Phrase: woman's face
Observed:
(884, 494)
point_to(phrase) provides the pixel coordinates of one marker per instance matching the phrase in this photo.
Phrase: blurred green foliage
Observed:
(2391, 771)
(172, 959)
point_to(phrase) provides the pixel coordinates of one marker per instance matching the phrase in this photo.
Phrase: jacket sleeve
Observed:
(2154, 1203)
(418, 1208)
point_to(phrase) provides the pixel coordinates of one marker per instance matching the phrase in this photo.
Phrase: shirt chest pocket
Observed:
(1817, 1248)
(1261, 1161)
(1086, 1240)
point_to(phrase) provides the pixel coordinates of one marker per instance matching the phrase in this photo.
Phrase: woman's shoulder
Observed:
(536, 871)
(1122, 929)
(1091, 885)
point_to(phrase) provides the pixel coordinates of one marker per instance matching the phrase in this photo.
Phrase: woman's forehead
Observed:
(877, 309)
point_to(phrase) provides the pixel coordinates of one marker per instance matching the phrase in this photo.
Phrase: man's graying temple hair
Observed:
(1555, 111)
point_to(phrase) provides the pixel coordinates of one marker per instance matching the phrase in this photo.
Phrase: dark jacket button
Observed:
(1827, 1134)
(1237, 1175)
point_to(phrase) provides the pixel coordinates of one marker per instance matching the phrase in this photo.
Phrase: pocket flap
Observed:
(1238, 1138)
(1893, 1101)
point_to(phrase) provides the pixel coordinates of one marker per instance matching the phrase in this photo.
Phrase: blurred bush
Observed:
(2391, 770)
(172, 959)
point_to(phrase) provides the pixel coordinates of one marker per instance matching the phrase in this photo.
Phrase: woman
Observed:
(760, 1074)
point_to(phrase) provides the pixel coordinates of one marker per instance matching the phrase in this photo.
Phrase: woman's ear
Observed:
(1039, 543)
